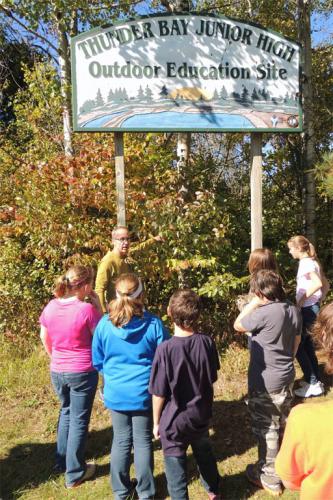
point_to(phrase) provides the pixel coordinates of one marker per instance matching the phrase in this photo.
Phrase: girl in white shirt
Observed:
(311, 288)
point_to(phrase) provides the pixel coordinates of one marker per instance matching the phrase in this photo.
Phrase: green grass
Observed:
(28, 432)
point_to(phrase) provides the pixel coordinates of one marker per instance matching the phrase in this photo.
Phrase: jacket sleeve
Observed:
(97, 349)
(143, 245)
(101, 284)
(162, 333)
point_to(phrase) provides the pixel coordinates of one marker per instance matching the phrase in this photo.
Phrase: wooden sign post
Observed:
(256, 191)
(120, 178)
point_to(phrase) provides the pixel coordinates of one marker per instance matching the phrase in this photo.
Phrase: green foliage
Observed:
(12, 55)
(37, 130)
(58, 211)
(223, 285)
(324, 174)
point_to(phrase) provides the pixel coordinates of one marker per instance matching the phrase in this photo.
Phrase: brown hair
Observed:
(322, 332)
(262, 258)
(72, 280)
(124, 307)
(303, 245)
(184, 308)
(269, 284)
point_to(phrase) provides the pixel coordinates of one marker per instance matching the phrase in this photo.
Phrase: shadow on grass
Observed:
(161, 487)
(31, 464)
(231, 426)
(232, 436)
(236, 486)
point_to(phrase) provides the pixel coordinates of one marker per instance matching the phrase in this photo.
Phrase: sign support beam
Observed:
(256, 191)
(120, 178)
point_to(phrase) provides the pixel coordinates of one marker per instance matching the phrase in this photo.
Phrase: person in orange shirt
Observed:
(305, 459)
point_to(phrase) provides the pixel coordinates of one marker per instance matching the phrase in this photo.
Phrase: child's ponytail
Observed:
(304, 246)
(61, 287)
(128, 301)
(312, 252)
(72, 280)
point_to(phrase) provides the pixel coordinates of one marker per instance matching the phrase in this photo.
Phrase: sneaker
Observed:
(274, 489)
(253, 477)
(89, 474)
(309, 390)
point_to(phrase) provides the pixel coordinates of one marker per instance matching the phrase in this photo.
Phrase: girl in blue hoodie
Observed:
(123, 349)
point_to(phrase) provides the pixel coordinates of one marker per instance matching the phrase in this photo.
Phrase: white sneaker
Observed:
(308, 390)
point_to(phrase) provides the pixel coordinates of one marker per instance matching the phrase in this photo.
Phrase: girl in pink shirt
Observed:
(67, 326)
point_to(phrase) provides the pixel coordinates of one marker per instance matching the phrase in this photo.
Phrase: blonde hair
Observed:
(125, 306)
(118, 228)
(262, 258)
(322, 332)
(72, 280)
(303, 245)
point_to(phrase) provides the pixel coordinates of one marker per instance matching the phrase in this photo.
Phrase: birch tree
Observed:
(49, 25)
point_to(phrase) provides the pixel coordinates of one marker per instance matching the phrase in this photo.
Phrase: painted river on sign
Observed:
(171, 119)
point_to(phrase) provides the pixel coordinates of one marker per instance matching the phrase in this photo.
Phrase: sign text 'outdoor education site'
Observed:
(185, 73)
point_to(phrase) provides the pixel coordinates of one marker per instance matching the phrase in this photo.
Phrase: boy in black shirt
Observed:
(184, 370)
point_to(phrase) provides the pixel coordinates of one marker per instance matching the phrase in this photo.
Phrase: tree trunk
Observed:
(183, 155)
(256, 190)
(183, 139)
(308, 153)
(65, 84)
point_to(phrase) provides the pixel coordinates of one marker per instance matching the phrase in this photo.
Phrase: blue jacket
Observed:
(124, 356)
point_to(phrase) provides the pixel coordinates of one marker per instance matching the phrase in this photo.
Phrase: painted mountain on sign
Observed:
(191, 93)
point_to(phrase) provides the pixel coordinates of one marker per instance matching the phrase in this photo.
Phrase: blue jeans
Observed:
(176, 469)
(306, 355)
(132, 428)
(76, 392)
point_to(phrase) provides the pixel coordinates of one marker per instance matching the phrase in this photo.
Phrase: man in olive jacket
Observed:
(112, 265)
(115, 262)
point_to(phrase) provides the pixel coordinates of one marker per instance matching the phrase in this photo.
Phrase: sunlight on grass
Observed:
(21, 375)
(235, 360)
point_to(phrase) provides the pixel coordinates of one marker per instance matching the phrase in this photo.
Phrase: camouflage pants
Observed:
(269, 412)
